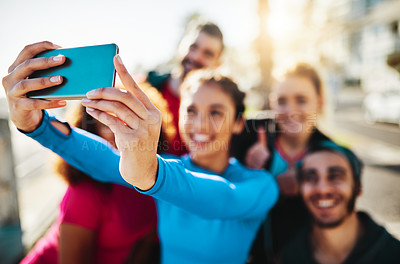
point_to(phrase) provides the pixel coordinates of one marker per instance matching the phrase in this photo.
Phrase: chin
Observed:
(199, 151)
(328, 224)
(293, 128)
(329, 220)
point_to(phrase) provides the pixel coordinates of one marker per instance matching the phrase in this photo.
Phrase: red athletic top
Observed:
(120, 217)
(176, 146)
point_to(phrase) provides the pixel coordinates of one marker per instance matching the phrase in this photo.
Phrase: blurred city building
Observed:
(358, 38)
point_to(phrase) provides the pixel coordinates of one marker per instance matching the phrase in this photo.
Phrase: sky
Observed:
(147, 32)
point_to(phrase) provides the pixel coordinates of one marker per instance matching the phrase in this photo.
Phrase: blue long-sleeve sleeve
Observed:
(208, 194)
(191, 188)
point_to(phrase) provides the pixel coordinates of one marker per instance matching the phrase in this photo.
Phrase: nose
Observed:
(287, 109)
(195, 56)
(291, 109)
(201, 122)
(323, 186)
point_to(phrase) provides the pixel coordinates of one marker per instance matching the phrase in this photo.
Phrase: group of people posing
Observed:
(169, 171)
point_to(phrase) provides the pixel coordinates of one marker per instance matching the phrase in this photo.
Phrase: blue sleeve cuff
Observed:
(160, 178)
(45, 124)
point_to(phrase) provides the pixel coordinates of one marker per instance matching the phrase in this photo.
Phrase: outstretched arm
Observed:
(210, 196)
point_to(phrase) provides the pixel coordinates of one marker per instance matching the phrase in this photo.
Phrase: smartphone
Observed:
(85, 69)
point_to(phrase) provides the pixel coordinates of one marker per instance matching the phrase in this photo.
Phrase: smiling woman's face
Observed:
(296, 104)
(207, 120)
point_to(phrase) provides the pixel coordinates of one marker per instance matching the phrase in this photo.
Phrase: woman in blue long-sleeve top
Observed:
(209, 206)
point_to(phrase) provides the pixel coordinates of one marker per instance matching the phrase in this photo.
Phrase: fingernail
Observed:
(86, 101)
(56, 46)
(90, 93)
(61, 102)
(119, 58)
(55, 79)
(58, 58)
(89, 109)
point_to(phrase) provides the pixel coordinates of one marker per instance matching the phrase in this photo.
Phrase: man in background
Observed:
(330, 183)
(204, 47)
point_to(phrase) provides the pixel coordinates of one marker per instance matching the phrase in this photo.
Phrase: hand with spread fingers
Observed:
(136, 123)
(26, 113)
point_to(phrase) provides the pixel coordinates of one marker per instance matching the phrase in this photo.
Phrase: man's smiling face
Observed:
(328, 188)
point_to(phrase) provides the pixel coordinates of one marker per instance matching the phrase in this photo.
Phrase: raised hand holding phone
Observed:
(258, 154)
(136, 123)
(26, 113)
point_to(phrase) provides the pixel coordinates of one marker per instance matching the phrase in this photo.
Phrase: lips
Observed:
(190, 65)
(201, 138)
(292, 127)
(292, 123)
(324, 203)
(200, 141)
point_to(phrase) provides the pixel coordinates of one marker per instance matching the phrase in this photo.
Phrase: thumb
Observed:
(262, 136)
(130, 84)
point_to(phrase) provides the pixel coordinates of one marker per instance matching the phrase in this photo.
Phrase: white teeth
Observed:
(325, 203)
(201, 137)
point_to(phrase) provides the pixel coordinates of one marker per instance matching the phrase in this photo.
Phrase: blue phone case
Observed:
(85, 69)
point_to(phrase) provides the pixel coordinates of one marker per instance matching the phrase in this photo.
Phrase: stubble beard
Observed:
(350, 209)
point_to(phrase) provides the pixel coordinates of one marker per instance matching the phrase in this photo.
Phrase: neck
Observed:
(216, 163)
(293, 146)
(333, 245)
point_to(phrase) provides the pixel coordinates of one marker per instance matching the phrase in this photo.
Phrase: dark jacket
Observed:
(376, 245)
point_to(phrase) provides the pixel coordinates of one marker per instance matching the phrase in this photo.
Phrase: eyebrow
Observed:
(330, 169)
(309, 170)
(221, 106)
(337, 168)
(217, 106)
(211, 106)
